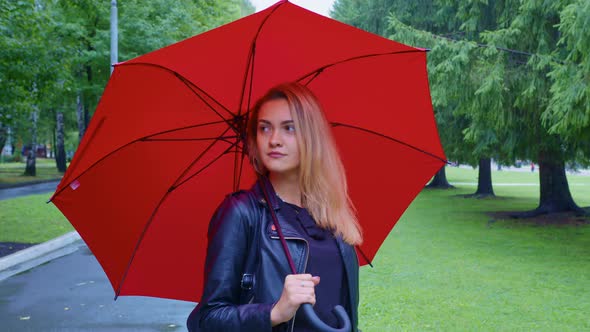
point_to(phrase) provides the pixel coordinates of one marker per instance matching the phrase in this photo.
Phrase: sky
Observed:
(319, 6)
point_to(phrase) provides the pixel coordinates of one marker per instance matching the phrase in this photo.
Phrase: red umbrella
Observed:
(165, 143)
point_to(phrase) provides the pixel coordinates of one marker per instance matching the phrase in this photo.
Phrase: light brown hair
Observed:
(322, 178)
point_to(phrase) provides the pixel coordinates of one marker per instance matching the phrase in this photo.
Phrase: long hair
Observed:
(322, 178)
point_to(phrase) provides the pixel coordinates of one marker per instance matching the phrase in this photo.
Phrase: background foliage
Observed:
(55, 54)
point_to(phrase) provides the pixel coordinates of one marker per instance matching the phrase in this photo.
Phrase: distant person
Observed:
(532, 167)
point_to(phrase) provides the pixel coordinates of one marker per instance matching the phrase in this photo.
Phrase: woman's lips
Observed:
(276, 154)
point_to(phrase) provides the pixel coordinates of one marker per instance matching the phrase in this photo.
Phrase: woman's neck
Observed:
(286, 187)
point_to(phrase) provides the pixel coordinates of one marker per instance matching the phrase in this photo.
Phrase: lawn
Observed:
(12, 173)
(30, 220)
(447, 266)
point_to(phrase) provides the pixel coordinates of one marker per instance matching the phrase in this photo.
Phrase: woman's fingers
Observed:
(298, 289)
(301, 284)
(307, 284)
(315, 280)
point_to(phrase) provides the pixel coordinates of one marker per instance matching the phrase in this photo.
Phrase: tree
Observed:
(568, 112)
(492, 80)
(54, 56)
(534, 30)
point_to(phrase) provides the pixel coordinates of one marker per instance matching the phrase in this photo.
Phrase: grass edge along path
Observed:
(30, 219)
(12, 174)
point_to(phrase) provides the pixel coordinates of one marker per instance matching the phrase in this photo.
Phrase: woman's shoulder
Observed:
(244, 197)
(243, 202)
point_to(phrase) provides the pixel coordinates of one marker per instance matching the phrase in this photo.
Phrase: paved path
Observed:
(40, 188)
(72, 293)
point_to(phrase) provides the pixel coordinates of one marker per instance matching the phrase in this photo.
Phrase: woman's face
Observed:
(275, 138)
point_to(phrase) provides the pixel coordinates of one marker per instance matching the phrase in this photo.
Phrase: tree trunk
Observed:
(80, 117)
(85, 100)
(31, 168)
(86, 115)
(3, 136)
(60, 153)
(555, 192)
(440, 180)
(484, 181)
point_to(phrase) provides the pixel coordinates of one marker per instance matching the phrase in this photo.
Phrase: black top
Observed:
(324, 261)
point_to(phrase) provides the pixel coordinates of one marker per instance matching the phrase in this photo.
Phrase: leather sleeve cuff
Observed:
(255, 317)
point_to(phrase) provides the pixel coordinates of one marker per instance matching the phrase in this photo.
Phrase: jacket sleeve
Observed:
(229, 237)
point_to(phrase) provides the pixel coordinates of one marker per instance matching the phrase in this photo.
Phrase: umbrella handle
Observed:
(320, 326)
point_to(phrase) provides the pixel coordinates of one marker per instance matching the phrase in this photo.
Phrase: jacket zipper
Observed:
(304, 267)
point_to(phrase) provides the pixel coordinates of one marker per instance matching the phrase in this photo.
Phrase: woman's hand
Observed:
(298, 289)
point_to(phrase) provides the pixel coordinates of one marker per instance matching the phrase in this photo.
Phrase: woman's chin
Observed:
(281, 169)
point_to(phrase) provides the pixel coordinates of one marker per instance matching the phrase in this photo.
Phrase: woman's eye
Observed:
(290, 127)
(263, 128)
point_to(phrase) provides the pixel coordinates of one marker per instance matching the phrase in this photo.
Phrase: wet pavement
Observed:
(40, 188)
(72, 293)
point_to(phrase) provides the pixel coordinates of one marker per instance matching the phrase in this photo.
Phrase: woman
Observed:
(249, 285)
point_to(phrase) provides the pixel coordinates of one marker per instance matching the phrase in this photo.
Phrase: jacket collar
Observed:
(287, 228)
(263, 181)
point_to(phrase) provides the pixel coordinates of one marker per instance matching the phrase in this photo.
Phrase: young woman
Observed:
(249, 285)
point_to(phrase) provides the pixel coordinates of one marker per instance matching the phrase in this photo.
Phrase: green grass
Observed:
(445, 267)
(30, 220)
(12, 173)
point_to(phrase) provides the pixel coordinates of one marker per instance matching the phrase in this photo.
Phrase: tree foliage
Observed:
(568, 112)
(509, 79)
(53, 52)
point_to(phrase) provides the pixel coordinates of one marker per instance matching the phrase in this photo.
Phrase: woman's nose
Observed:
(275, 139)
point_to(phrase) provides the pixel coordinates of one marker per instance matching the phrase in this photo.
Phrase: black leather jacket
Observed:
(231, 302)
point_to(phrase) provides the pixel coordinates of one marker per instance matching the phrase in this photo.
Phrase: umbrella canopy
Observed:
(165, 143)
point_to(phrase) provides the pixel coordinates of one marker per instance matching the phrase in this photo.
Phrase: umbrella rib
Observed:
(124, 146)
(149, 222)
(251, 56)
(183, 128)
(204, 167)
(336, 124)
(239, 162)
(174, 186)
(188, 83)
(236, 183)
(318, 71)
(364, 256)
(249, 69)
(75, 162)
(222, 138)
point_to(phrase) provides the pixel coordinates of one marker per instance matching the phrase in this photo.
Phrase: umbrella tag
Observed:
(75, 184)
